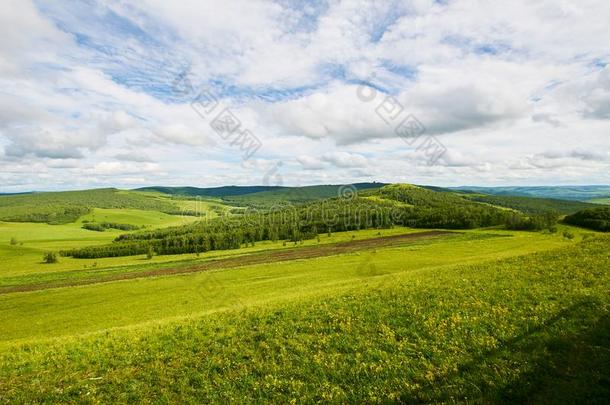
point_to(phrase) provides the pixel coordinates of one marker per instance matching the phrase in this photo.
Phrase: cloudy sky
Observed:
(207, 93)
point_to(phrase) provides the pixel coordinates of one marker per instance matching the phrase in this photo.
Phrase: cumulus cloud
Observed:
(597, 100)
(345, 159)
(311, 162)
(516, 92)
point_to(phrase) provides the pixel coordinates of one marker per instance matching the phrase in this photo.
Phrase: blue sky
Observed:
(100, 93)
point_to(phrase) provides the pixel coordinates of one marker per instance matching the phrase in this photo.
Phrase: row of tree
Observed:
(102, 226)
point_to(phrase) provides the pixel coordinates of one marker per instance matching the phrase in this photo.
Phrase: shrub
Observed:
(14, 241)
(150, 253)
(93, 226)
(50, 257)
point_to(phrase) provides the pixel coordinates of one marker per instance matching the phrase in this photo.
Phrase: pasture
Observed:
(471, 319)
(376, 314)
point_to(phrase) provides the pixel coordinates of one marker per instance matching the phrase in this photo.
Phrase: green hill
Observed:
(526, 329)
(300, 194)
(420, 196)
(68, 206)
(224, 191)
(419, 208)
(532, 205)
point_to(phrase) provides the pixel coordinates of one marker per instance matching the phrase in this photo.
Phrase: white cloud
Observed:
(518, 92)
(345, 159)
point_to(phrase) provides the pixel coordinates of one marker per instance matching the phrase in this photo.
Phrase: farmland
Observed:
(419, 305)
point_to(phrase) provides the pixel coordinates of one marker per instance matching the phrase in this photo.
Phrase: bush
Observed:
(93, 226)
(50, 257)
(568, 234)
(14, 241)
(150, 253)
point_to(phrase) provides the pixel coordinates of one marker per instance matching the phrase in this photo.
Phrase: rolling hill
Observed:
(393, 293)
(300, 194)
(68, 206)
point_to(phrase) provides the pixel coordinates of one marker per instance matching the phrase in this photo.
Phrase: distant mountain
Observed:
(577, 193)
(21, 193)
(224, 191)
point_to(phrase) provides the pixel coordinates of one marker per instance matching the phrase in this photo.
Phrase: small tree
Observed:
(50, 257)
(14, 241)
(150, 253)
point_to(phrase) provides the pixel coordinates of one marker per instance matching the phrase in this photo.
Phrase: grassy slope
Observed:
(530, 328)
(205, 208)
(38, 238)
(74, 269)
(67, 206)
(59, 312)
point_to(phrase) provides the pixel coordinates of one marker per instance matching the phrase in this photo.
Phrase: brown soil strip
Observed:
(272, 256)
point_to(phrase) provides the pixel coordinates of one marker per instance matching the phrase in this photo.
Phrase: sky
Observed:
(123, 94)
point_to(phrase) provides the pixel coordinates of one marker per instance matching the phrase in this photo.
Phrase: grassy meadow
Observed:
(33, 239)
(479, 315)
(498, 331)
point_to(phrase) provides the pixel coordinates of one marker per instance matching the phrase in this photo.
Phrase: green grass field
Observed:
(157, 298)
(35, 238)
(470, 316)
(446, 321)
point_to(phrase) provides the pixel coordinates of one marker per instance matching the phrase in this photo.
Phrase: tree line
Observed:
(103, 226)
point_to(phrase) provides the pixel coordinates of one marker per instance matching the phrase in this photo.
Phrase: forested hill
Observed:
(223, 191)
(303, 194)
(532, 205)
(67, 206)
(262, 196)
(403, 205)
